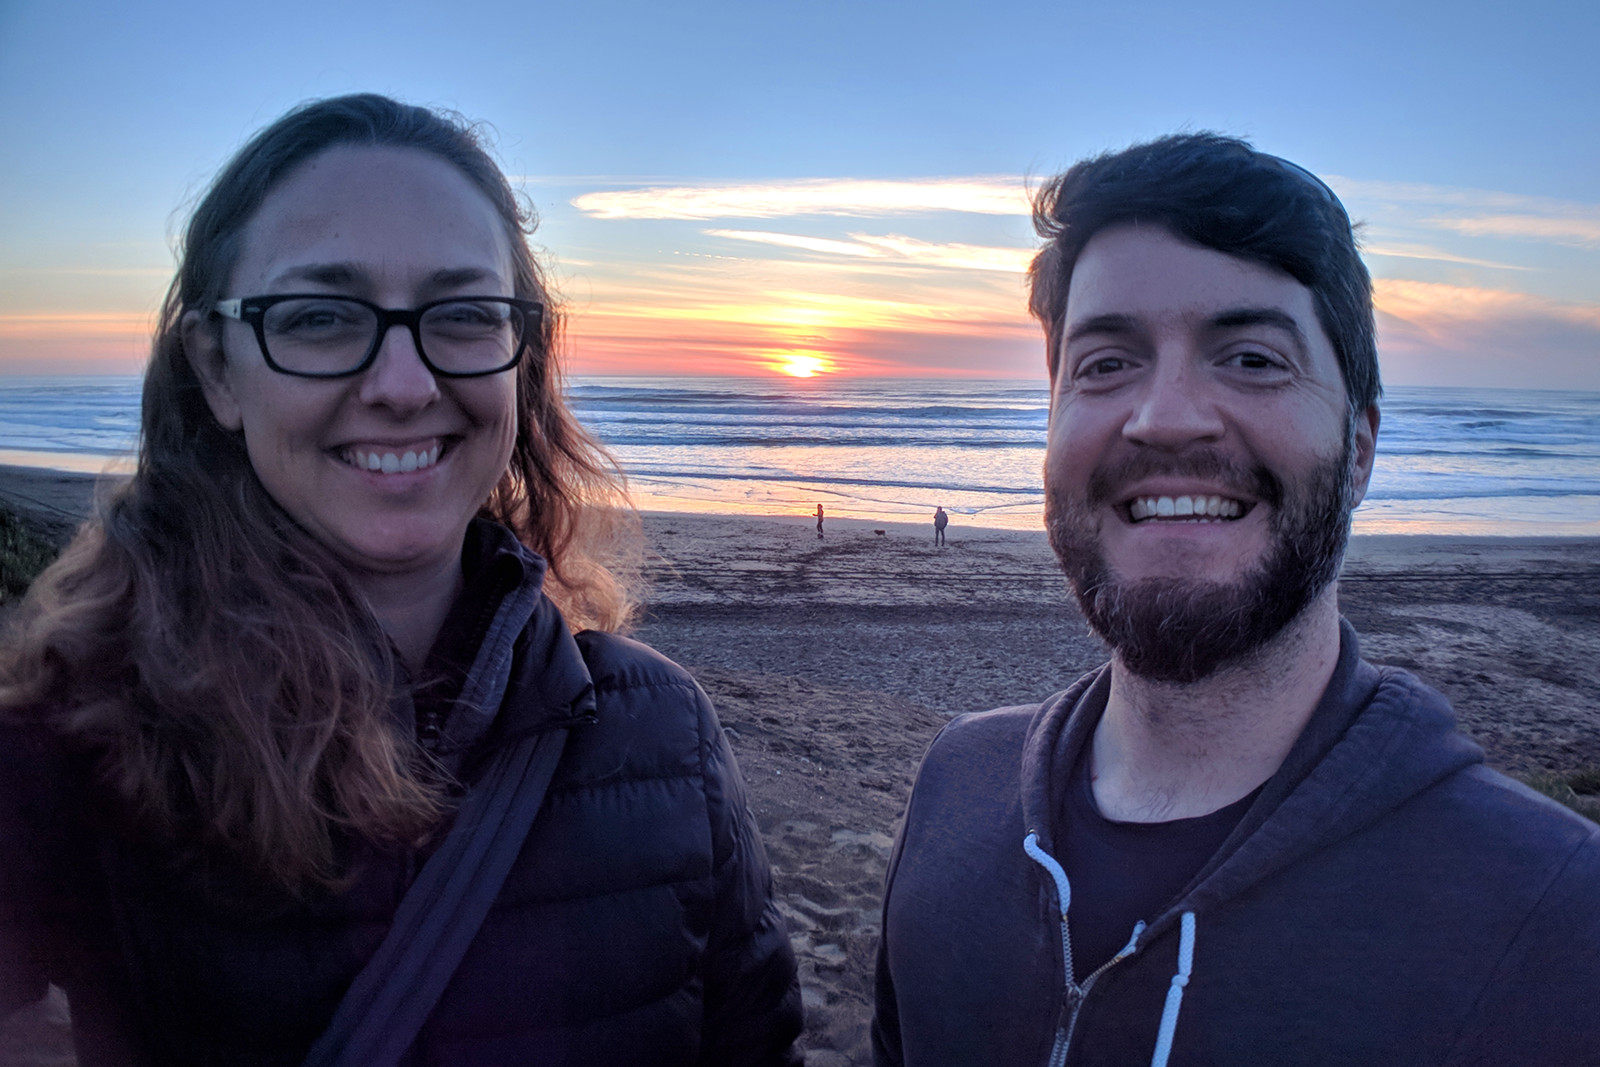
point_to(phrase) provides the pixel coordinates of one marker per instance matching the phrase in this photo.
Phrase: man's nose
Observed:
(1174, 407)
(398, 378)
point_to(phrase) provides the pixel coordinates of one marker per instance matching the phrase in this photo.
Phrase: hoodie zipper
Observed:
(1077, 992)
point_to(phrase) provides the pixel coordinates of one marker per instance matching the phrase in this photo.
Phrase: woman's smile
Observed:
(383, 460)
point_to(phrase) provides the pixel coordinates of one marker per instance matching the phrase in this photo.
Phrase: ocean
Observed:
(1450, 461)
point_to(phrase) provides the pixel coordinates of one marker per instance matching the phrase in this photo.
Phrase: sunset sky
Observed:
(761, 187)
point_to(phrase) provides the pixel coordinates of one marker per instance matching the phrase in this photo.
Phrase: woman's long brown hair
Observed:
(215, 657)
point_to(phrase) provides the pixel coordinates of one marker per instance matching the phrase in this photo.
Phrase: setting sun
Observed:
(804, 366)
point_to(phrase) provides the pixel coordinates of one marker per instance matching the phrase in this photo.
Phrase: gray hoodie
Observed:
(1386, 899)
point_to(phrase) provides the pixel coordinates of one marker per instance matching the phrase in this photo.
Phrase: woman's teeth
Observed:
(1194, 508)
(392, 462)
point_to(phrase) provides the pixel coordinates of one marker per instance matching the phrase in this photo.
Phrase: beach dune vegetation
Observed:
(24, 552)
(1578, 790)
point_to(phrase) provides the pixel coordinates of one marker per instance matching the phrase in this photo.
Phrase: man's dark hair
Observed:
(1222, 194)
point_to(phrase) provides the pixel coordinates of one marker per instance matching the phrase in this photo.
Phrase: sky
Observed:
(770, 186)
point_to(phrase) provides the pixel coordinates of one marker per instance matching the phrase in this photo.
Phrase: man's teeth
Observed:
(1184, 507)
(391, 462)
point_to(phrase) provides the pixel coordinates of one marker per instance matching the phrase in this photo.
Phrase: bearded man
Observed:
(1237, 842)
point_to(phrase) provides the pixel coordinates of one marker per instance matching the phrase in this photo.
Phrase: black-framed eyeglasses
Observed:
(314, 335)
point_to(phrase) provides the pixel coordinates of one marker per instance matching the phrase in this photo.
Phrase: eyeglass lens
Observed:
(330, 335)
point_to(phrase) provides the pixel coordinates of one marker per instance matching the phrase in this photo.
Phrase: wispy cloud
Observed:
(896, 248)
(86, 272)
(1455, 196)
(1435, 254)
(1479, 212)
(991, 195)
(1574, 232)
(964, 256)
(794, 240)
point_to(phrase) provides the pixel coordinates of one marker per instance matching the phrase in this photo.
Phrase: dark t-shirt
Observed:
(1123, 873)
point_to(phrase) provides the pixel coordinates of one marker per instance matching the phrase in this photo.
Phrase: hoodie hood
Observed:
(1377, 738)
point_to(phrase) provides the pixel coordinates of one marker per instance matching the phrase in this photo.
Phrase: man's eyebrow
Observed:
(1102, 324)
(1267, 316)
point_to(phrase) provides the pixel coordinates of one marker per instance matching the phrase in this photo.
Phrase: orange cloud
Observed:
(76, 343)
(1434, 306)
(1431, 333)
(772, 330)
(97, 325)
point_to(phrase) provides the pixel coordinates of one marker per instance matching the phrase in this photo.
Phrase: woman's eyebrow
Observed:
(321, 274)
(352, 273)
(453, 276)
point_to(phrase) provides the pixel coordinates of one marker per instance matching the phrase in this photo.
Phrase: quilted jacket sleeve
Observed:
(752, 1006)
(27, 812)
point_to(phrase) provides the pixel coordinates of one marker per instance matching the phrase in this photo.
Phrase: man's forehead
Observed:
(1130, 275)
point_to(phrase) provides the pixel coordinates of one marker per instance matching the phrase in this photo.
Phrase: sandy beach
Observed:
(833, 663)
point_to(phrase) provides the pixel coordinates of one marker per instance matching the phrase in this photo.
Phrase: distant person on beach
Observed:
(1237, 842)
(940, 521)
(318, 745)
(819, 522)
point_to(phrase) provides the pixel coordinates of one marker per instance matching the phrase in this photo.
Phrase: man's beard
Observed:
(1182, 630)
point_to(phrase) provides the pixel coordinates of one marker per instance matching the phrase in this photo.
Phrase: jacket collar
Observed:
(548, 684)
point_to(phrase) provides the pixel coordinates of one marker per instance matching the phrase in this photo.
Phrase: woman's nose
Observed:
(398, 378)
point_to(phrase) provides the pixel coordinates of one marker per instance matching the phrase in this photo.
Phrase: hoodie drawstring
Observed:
(1030, 845)
(1169, 1014)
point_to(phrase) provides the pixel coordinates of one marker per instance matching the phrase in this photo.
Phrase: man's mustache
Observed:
(1204, 464)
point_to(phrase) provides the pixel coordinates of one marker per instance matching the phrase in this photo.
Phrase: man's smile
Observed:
(1194, 508)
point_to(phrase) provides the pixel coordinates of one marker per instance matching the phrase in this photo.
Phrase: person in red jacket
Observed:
(314, 745)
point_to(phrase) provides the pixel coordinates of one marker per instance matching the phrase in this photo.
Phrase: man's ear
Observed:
(202, 344)
(1363, 446)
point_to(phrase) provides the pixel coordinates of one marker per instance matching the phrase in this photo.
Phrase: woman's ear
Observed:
(202, 344)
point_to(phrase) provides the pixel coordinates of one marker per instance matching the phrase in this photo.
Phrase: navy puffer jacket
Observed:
(636, 927)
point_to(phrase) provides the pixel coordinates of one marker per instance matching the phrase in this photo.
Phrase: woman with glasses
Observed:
(316, 745)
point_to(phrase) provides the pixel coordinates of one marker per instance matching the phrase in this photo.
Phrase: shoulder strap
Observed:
(396, 991)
